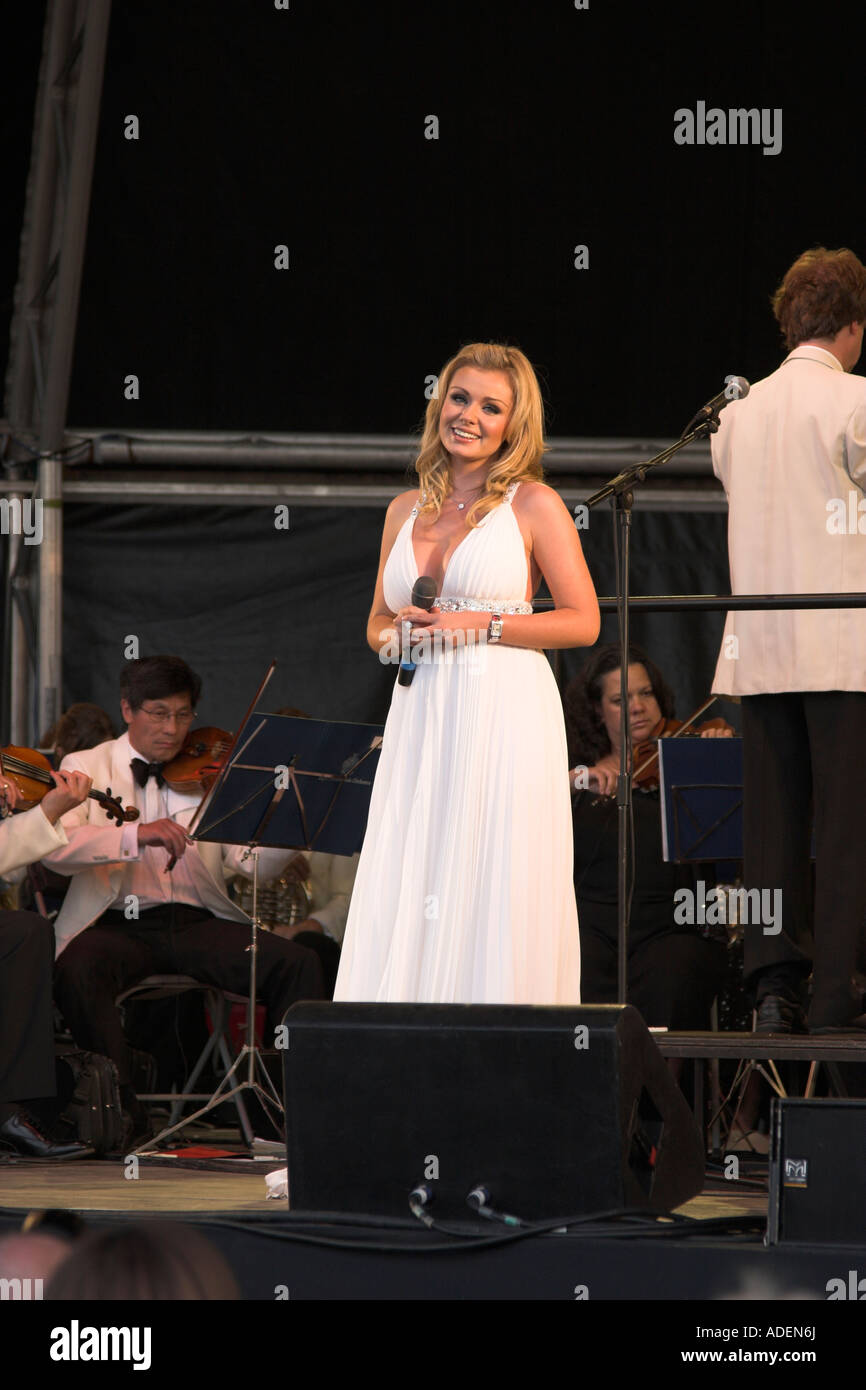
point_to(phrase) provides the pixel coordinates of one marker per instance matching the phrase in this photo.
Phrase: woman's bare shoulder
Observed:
(400, 506)
(535, 498)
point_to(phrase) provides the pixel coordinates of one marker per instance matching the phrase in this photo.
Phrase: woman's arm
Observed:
(380, 623)
(575, 620)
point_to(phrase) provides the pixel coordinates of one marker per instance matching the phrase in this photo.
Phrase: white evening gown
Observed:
(464, 891)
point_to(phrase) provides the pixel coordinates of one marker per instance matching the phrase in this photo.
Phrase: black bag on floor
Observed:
(89, 1099)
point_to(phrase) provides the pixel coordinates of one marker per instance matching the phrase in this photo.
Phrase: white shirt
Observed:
(148, 877)
(787, 454)
(106, 864)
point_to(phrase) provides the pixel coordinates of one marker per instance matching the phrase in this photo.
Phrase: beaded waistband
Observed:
(482, 605)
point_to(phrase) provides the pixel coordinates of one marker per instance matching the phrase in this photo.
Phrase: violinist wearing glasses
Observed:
(674, 972)
(144, 899)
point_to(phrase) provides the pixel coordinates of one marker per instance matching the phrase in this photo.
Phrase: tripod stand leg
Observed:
(250, 1054)
(243, 1117)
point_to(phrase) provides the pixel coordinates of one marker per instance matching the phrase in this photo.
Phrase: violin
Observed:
(196, 767)
(30, 770)
(646, 753)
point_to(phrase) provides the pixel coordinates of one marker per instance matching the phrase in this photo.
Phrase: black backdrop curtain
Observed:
(223, 588)
(307, 127)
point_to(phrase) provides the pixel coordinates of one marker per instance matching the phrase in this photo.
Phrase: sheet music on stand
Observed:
(701, 789)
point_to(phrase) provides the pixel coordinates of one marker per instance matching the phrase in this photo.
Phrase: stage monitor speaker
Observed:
(560, 1111)
(817, 1172)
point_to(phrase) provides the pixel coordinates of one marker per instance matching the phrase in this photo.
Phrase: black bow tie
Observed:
(141, 771)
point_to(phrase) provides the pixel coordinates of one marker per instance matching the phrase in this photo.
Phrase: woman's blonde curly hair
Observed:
(522, 449)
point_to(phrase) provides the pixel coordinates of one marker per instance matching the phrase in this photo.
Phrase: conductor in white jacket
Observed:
(792, 458)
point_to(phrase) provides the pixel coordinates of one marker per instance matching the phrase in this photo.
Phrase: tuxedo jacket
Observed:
(26, 837)
(792, 458)
(95, 858)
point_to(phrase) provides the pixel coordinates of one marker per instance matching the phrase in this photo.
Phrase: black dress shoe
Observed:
(778, 1014)
(21, 1133)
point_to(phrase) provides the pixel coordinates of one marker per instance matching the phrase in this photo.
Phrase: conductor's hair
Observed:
(155, 677)
(822, 292)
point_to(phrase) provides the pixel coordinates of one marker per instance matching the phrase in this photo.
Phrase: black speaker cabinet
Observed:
(556, 1111)
(817, 1172)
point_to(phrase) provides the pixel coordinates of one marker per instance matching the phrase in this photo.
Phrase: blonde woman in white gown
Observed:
(464, 890)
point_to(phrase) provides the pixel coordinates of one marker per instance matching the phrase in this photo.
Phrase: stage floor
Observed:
(100, 1186)
(161, 1190)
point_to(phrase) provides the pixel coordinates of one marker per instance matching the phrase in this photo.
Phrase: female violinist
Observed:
(674, 972)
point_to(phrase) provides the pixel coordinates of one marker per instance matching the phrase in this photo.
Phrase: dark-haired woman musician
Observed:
(674, 972)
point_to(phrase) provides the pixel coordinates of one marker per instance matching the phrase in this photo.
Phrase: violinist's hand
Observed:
(604, 775)
(70, 790)
(9, 795)
(166, 834)
(718, 733)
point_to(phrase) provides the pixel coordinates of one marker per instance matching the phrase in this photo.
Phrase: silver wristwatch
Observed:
(494, 628)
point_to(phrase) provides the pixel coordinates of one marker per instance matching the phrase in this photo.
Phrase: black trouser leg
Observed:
(26, 1020)
(98, 965)
(837, 722)
(673, 979)
(777, 820)
(114, 954)
(328, 951)
(215, 951)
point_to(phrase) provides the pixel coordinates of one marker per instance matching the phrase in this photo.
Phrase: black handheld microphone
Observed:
(423, 596)
(736, 389)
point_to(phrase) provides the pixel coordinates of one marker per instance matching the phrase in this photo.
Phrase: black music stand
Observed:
(287, 783)
(701, 798)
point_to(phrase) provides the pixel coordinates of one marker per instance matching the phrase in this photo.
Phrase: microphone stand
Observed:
(621, 490)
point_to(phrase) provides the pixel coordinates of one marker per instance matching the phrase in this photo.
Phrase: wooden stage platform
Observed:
(159, 1190)
(100, 1188)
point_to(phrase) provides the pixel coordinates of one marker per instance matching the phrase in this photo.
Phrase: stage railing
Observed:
(658, 603)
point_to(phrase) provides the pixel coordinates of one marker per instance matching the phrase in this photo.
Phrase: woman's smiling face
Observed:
(475, 415)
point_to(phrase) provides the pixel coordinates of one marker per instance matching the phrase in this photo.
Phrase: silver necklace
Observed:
(461, 505)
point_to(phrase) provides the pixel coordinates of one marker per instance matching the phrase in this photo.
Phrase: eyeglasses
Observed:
(160, 715)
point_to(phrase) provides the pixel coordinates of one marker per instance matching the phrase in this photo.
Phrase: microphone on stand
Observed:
(736, 389)
(423, 596)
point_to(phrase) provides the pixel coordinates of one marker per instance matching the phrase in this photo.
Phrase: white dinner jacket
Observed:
(26, 837)
(790, 455)
(94, 857)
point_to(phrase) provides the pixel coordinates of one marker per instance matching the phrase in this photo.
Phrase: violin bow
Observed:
(685, 725)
